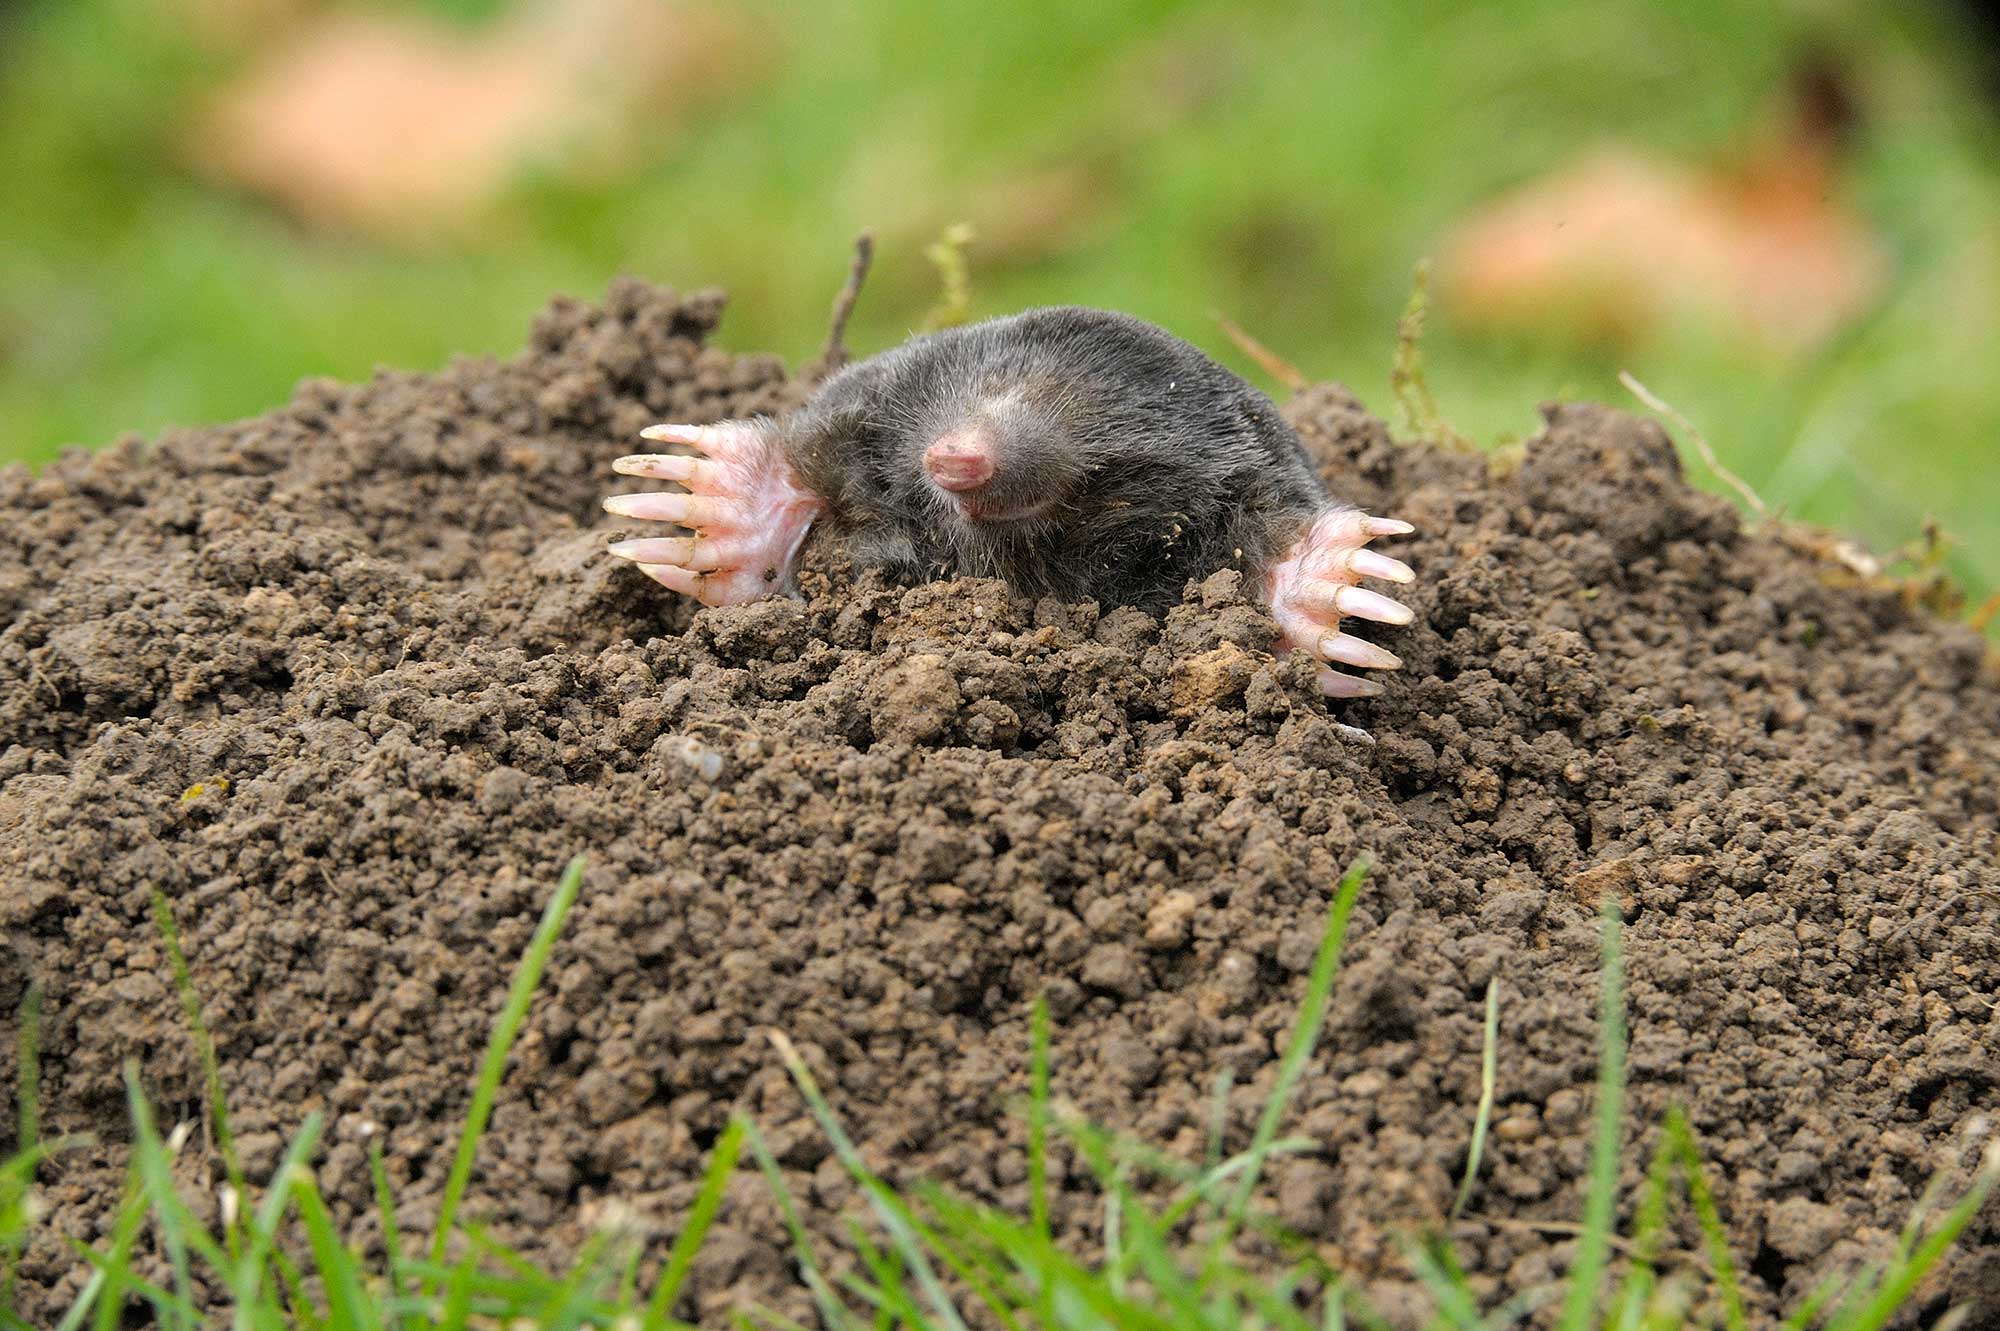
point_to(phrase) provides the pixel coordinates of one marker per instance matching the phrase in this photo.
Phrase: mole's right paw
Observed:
(1315, 584)
(746, 510)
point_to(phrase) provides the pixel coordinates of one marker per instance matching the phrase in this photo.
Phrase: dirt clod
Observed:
(376, 629)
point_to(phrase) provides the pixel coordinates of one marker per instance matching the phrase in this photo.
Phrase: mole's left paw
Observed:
(747, 511)
(1316, 583)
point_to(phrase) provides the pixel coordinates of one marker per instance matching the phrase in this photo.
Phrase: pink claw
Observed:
(1313, 586)
(1336, 685)
(744, 505)
(1371, 565)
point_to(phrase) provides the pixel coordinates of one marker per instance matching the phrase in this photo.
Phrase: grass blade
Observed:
(152, 1159)
(505, 1029)
(974, 1258)
(721, 1164)
(569, 1303)
(104, 1294)
(346, 1304)
(893, 1220)
(1709, 1218)
(1038, 1116)
(1586, 1274)
(1454, 1301)
(163, 1300)
(628, 1276)
(1900, 1281)
(264, 1222)
(298, 1309)
(1822, 1294)
(458, 1290)
(1312, 1014)
(392, 1235)
(1218, 1117)
(486, 1245)
(1489, 1063)
(1276, 1301)
(980, 1275)
(1084, 1296)
(832, 1312)
(888, 1294)
(1114, 1229)
(1146, 1238)
(1649, 1227)
(1038, 1140)
(204, 1043)
(1668, 1308)
(17, 1179)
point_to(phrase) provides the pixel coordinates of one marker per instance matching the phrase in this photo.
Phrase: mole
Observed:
(1070, 452)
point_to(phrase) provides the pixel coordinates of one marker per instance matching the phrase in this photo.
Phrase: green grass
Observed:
(1169, 1262)
(1286, 165)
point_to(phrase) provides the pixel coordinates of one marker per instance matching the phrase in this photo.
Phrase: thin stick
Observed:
(1269, 361)
(1730, 478)
(1571, 1227)
(836, 353)
(1938, 910)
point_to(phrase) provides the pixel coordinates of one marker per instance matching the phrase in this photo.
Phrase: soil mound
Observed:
(349, 683)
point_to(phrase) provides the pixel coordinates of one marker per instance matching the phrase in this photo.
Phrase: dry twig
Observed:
(1619, 1245)
(836, 354)
(1700, 442)
(1269, 361)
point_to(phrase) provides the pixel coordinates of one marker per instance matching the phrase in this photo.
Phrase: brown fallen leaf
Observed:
(1620, 243)
(393, 123)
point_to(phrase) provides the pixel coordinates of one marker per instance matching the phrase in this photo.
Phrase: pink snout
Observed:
(960, 462)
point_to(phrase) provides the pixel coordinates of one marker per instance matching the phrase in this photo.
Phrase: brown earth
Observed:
(351, 681)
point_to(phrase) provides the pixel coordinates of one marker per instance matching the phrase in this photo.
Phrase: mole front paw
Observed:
(1316, 582)
(745, 509)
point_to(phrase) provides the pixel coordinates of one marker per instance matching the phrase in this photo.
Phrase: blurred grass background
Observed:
(1287, 165)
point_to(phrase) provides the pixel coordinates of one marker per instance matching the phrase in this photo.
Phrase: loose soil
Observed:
(350, 682)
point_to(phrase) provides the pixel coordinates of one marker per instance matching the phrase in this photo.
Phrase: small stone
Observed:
(1112, 967)
(258, 1153)
(1682, 870)
(1611, 876)
(139, 991)
(917, 701)
(1168, 921)
(1212, 678)
(1234, 982)
(502, 788)
(1565, 1109)
(701, 761)
(1129, 1061)
(1801, 1229)
(1481, 788)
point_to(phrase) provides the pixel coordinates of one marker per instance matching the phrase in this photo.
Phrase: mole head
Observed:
(1004, 461)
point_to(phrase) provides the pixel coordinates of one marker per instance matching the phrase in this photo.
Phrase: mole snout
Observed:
(963, 460)
(985, 482)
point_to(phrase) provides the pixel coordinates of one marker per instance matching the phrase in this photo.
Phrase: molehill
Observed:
(351, 681)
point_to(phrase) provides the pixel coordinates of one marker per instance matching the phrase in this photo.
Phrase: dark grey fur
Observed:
(1163, 465)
